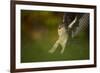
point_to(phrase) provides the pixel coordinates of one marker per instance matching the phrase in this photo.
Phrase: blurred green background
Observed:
(39, 33)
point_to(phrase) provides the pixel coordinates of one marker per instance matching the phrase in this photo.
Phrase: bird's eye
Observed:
(60, 26)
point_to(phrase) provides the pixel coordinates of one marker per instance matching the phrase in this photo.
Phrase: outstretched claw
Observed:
(51, 51)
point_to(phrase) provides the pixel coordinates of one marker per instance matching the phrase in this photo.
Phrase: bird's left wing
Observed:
(80, 25)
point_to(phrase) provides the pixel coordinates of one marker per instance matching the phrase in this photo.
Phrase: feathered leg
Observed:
(52, 50)
(63, 45)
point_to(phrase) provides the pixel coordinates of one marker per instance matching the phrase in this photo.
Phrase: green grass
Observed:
(39, 33)
(37, 50)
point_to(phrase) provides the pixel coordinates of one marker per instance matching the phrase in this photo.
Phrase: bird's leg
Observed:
(62, 51)
(63, 46)
(52, 50)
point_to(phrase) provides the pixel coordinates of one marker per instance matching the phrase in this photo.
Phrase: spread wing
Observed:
(76, 22)
(83, 24)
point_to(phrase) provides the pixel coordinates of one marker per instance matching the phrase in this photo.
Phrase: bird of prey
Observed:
(71, 25)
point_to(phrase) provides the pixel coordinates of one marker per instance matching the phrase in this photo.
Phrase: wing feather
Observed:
(83, 25)
(75, 23)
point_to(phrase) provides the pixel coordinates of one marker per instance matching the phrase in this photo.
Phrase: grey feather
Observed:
(79, 25)
(83, 25)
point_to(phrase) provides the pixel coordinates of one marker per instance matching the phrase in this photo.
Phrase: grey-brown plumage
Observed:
(72, 24)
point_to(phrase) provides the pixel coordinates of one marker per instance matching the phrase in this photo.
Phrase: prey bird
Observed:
(71, 25)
